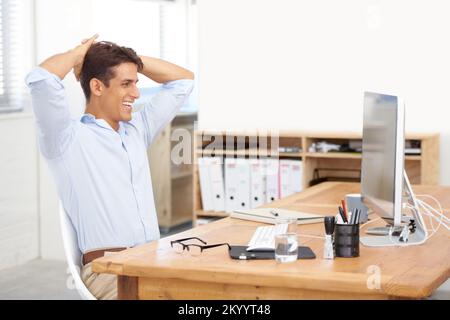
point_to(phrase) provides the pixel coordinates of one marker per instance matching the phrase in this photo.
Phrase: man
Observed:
(99, 162)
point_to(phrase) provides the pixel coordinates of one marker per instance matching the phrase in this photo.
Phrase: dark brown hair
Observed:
(100, 60)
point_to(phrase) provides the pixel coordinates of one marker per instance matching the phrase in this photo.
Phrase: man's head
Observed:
(109, 75)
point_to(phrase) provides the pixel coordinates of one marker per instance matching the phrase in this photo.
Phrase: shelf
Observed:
(219, 152)
(291, 154)
(203, 213)
(243, 152)
(340, 155)
(421, 168)
(416, 158)
(349, 155)
(248, 152)
(329, 155)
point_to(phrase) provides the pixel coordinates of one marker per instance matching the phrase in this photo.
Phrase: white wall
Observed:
(19, 218)
(59, 26)
(291, 64)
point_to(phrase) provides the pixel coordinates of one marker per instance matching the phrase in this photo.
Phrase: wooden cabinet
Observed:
(422, 168)
(171, 168)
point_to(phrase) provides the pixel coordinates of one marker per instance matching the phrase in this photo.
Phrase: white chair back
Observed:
(73, 254)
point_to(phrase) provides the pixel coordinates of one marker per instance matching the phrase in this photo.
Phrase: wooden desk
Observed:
(155, 271)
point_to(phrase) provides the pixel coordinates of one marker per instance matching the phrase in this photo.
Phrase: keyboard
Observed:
(264, 237)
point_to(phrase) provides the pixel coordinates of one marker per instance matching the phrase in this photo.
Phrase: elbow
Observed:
(190, 75)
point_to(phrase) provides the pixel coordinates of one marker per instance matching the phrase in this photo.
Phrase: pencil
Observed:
(344, 207)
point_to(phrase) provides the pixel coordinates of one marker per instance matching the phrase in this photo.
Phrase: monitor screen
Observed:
(382, 155)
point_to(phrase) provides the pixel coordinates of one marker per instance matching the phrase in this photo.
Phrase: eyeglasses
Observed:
(193, 249)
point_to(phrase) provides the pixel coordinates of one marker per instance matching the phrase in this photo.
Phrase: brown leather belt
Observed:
(92, 255)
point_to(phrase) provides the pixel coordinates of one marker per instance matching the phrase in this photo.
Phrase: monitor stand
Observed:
(405, 238)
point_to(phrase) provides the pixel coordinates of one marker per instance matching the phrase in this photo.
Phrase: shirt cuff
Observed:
(182, 85)
(39, 74)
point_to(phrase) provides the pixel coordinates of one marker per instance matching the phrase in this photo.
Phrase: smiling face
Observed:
(116, 100)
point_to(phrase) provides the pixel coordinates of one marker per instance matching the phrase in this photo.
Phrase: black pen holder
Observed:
(346, 240)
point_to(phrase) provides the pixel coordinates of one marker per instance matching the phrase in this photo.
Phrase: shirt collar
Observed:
(90, 118)
(87, 118)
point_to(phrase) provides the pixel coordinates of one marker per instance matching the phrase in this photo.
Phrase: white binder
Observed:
(205, 184)
(285, 178)
(217, 183)
(257, 183)
(291, 172)
(271, 173)
(243, 188)
(231, 184)
(296, 175)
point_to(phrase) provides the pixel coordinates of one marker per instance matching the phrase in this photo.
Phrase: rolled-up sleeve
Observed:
(54, 123)
(163, 107)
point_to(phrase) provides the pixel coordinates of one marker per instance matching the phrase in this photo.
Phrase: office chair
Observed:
(73, 254)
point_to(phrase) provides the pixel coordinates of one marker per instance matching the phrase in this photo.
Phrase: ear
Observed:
(96, 86)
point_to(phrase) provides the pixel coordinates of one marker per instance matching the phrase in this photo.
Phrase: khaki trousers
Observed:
(102, 285)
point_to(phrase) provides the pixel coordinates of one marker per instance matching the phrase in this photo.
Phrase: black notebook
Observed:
(241, 253)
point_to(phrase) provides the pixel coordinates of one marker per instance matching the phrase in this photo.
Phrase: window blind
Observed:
(15, 52)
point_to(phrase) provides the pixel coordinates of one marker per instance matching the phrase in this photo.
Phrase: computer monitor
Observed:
(383, 155)
(383, 179)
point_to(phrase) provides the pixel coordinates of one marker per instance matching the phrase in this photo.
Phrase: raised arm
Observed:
(162, 71)
(162, 108)
(61, 64)
(48, 97)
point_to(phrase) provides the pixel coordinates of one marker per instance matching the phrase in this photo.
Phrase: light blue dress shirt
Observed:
(102, 175)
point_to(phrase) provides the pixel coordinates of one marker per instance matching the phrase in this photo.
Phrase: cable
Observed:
(419, 209)
(428, 215)
(441, 213)
(368, 222)
(311, 236)
(433, 229)
(418, 220)
(427, 208)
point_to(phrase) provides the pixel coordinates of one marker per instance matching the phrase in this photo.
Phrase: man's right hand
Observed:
(80, 53)
(61, 64)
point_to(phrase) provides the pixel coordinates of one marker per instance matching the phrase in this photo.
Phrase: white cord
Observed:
(441, 213)
(427, 213)
(368, 222)
(429, 210)
(311, 236)
(422, 208)
(440, 221)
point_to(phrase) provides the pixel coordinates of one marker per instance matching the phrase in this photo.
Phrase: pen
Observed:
(310, 218)
(354, 216)
(358, 212)
(274, 213)
(341, 212)
(344, 207)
